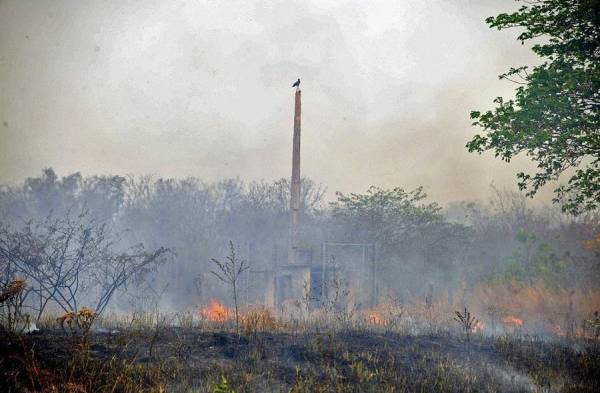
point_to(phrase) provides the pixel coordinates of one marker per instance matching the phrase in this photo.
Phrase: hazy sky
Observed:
(203, 88)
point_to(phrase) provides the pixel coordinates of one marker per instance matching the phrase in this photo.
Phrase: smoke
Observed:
(202, 88)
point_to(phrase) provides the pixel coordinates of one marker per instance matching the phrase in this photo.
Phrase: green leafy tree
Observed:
(409, 233)
(534, 259)
(384, 216)
(554, 117)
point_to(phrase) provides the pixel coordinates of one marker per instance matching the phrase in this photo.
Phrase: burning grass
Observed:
(490, 346)
(216, 312)
(536, 309)
(515, 308)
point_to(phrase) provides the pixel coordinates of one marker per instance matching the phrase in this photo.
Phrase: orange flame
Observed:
(513, 321)
(579, 333)
(479, 326)
(216, 312)
(375, 318)
(592, 244)
(557, 330)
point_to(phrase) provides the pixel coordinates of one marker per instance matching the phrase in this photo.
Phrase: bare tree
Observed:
(229, 272)
(67, 259)
(311, 196)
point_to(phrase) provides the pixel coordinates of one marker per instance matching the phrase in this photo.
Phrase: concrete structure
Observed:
(297, 275)
(293, 278)
(295, 184)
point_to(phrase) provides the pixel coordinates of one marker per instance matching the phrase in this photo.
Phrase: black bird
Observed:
(297, 83)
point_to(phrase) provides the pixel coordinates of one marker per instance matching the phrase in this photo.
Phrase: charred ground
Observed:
(189, 359)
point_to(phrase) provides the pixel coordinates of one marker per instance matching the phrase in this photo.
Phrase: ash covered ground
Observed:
(177, 359)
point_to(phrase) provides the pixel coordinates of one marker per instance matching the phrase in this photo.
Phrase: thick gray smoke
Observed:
(502, 259)
(168, 122)
(202, 88)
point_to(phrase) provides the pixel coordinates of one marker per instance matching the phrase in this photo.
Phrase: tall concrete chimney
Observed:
(295, 186)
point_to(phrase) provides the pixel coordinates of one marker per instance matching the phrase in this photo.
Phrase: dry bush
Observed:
(11, 305)
(80, 321)
(12, 290)
(257, 320)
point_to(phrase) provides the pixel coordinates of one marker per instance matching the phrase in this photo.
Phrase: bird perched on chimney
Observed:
(297, 83)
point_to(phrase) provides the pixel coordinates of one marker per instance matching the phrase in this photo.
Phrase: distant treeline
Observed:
(418, 244)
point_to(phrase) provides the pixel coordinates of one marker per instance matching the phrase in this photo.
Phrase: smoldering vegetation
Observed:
(475, 254)
(114, 279)
(179, 359)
